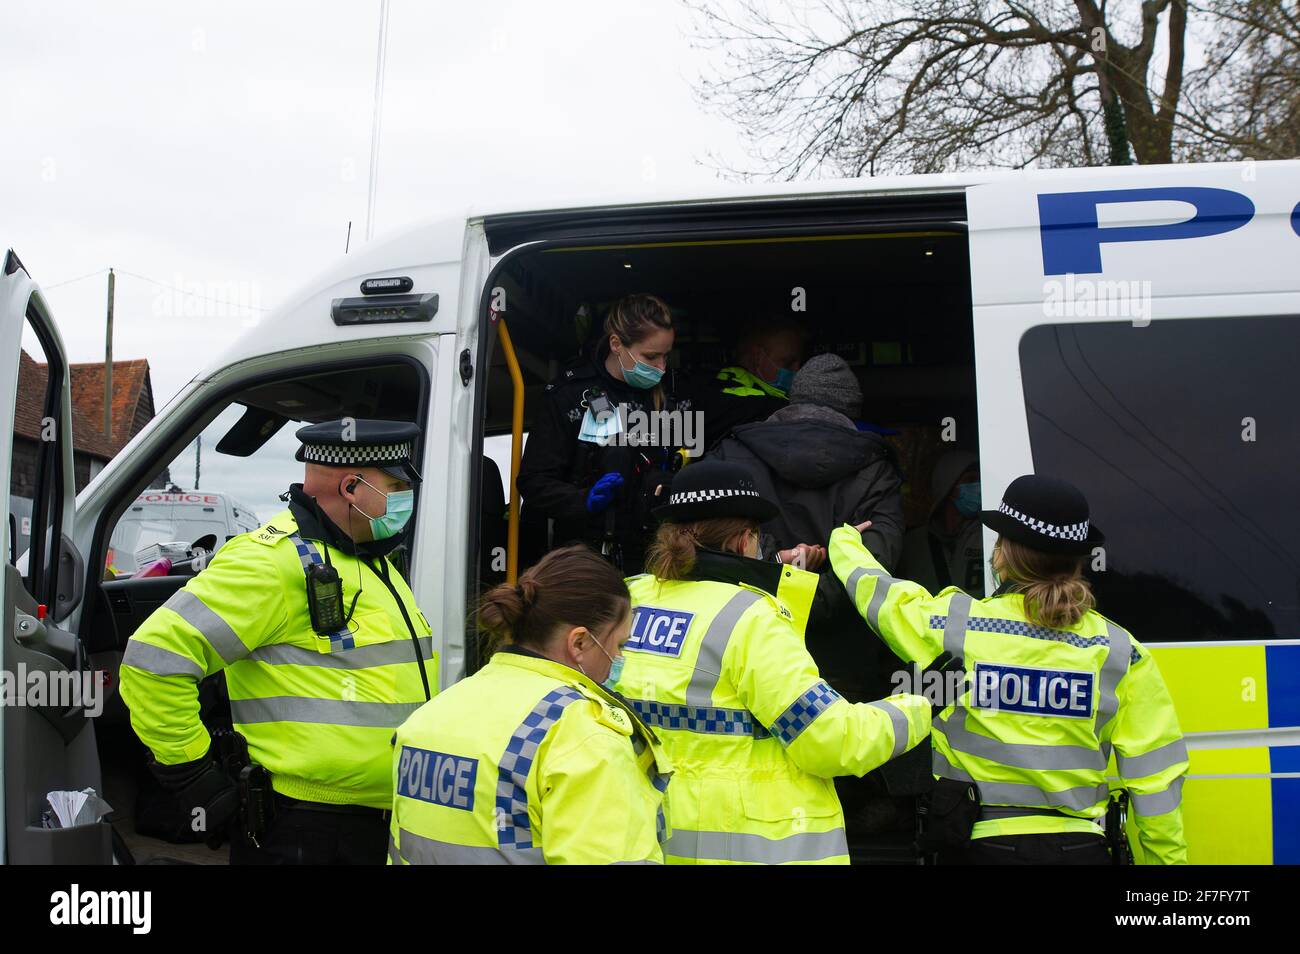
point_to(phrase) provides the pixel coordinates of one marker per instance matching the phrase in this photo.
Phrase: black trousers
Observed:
(306, 836)
(1057, 848)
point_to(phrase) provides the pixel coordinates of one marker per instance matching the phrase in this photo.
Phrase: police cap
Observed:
(712, 489)
(358, 442)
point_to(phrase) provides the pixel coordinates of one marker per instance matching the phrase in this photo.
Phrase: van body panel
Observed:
(1191, 242)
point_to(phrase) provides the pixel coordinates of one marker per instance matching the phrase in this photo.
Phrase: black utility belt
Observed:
(294, 804)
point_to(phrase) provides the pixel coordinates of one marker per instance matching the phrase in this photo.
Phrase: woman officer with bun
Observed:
(532, 760)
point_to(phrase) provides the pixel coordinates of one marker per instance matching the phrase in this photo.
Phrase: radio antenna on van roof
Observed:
(380, 60)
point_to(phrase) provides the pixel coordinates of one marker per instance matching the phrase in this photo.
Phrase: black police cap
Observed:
(1045, 513)
(715, 488)
(361, 442)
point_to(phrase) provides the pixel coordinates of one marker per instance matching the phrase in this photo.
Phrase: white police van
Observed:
(1133, 329)
(174, 517)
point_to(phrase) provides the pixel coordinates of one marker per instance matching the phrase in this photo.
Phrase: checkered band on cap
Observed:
(700, 496)
(1072, 531)
(356, 454)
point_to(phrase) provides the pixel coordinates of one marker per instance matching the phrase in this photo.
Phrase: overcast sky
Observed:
(225, 146)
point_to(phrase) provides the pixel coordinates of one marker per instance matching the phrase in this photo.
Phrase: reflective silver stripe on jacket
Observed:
(212, 627)
(741, 846)
(1013, 793)
(418, 850)
(1112, 671)
(159, 661)
(1150, 763)
(708, 663)
(954, 627)
(883, 582)
(362, 657)
(1025, 755)
(1158, 803)
(897, 718)
(378, 715)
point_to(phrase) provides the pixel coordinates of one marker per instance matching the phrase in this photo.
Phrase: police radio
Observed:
(325, 599)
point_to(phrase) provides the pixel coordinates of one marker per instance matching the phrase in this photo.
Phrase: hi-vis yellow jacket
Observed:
(1041, 709)
(527, 762)
(754, 732)
(317, 712)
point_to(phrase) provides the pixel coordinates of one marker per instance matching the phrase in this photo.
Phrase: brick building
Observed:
(133, 408)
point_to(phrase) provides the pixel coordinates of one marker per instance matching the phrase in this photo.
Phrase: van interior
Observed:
(896, 304)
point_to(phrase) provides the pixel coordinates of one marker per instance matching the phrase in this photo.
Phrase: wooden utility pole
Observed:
(108, 363)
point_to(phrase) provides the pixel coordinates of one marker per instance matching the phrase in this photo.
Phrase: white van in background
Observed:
(173, 516)
(1134, 329)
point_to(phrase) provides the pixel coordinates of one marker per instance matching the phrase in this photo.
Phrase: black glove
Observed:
(201, 784)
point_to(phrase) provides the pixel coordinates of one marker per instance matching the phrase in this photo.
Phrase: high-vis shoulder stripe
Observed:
(373, 715)
(514, 828)
(898, 719)
(955, 625)
(741, 846)
(1018, 627)
(1112, 671)
(801, 713)
(707, 720)
(210, 625)
(708, 663)
(159, 661)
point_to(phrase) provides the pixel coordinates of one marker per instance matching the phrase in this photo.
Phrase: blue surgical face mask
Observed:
(784, 378)
(397, 511)
(615, 667)
(640, 375)
(968, 499)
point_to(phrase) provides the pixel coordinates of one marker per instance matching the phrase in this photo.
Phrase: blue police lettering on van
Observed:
(1053, 692)
(1072, 237)
(656, 630)
(437, 778)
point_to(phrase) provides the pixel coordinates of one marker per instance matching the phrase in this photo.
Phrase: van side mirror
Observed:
(206, 542)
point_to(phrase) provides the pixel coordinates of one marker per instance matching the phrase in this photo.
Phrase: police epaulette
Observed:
(777, 605)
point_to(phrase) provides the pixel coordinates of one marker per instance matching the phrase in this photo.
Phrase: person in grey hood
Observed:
(812, 459)
(948, 549)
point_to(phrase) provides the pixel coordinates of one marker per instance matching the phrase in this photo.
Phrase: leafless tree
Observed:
(1245, 102)
(862, 87)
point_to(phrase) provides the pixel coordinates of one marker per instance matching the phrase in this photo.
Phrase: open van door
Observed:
(49, 694)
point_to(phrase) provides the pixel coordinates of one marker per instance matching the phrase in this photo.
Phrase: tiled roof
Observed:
(131, 388)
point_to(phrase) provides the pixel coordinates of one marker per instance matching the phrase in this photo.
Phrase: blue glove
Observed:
(604, 491)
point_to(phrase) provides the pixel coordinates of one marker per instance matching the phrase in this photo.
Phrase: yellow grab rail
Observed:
(516, 450)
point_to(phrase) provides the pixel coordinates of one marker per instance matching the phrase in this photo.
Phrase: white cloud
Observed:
(227, 144)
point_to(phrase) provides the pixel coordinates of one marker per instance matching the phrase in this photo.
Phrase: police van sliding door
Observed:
(1136, 333)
